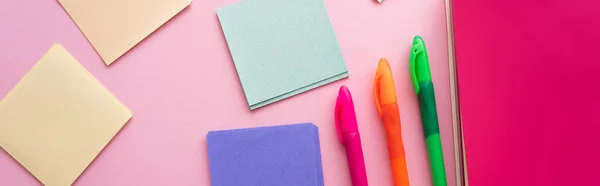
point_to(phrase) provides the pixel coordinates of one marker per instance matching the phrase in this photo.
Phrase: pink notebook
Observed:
(529, 90)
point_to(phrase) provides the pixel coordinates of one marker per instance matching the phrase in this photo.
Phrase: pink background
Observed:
(180, 83)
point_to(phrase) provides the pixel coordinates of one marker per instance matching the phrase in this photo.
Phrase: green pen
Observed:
(421, 80)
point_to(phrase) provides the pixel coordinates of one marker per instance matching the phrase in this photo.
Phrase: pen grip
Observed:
(431, 130)
(356, 161)
(391, 120)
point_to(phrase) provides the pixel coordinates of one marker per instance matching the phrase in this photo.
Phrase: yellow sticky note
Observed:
(115, 26)
(58, 118)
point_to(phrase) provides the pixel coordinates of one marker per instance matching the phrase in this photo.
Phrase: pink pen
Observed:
(347, 129)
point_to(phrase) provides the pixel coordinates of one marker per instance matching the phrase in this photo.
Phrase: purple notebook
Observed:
(286, 155)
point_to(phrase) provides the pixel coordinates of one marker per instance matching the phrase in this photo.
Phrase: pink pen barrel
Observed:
(347, 129)
(356, 161)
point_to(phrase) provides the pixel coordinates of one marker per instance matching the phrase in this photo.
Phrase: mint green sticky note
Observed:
(281, 48)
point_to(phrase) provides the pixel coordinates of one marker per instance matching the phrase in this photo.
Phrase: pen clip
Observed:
(377, 93)
(338, 107)
(414, 52)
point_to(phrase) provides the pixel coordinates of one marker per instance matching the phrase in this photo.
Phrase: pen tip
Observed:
(417, 40)
(343, 87)
(344, 93)
(383, 62)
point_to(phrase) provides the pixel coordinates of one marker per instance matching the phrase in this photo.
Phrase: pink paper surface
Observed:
(180, 83)
(528, 75)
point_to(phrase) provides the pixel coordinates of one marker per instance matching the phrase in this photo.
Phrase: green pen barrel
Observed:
(431, 130)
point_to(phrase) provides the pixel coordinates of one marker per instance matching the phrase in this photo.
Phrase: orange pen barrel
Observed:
(391, 120)
(387, 107)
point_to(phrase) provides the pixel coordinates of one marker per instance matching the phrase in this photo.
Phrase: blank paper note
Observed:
(115, 26)
(287, 155)
(58, 118)
(281, 48)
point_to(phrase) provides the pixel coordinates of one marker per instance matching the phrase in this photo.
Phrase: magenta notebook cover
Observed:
(529, 90)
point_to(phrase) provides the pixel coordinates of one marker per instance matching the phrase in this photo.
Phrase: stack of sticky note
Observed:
(58, 118)
(113, 27)
(287, 155)
(281, 48)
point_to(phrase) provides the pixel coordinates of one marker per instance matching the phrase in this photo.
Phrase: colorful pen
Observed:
(387, 106)
(421, 80)
(347, 129)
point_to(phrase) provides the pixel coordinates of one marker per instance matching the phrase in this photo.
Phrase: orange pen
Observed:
(387, 106)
